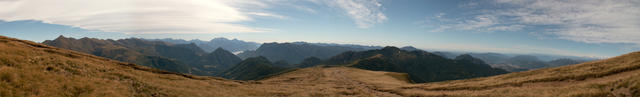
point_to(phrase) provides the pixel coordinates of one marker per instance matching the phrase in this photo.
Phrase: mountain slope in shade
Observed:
(449, 55)
(216, 61)
(156, 54)
(253, 69)
(309, 62)
(295, 52)
(233, 45)
(118, 50)
(420, 65)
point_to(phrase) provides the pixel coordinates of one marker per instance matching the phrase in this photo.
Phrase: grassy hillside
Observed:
(32, 69)
(611, 77)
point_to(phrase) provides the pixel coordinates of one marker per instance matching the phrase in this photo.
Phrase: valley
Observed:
(33, 69)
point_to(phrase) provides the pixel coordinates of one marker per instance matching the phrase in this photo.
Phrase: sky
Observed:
(590, 28)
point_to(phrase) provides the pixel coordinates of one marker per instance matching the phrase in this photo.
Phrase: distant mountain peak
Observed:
(219, 49)
(409, 48)
(61, 36)
(391, 48)
(219, 38)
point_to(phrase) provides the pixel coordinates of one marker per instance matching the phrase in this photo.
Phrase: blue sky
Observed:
(594, 28)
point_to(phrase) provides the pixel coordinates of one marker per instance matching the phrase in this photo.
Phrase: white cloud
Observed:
(137, 16)
(480, 23)
(267, 15)
(589, 21)
(506, 28)
(172, 16)
(365, 13)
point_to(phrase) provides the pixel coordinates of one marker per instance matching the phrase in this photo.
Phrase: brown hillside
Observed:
(32, 69)
(618, 76)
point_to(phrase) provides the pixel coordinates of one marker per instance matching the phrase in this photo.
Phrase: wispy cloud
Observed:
(138, 16)
(589, 21)
(172, 16)
(267, 15)
(365, 13)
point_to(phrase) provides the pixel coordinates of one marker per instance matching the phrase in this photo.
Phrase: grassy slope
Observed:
(31, 69)
(339, 81)
(611, 77)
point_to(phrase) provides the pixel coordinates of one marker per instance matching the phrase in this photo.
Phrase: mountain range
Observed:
(298, 51)
(184, 58)
(295, 52)
(33, 69)
(233, 45)
(421, 66)
(188, 57)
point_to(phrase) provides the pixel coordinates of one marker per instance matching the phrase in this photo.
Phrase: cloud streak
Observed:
(588, 21)
(173, 16)
(365, 13)
(135, 16)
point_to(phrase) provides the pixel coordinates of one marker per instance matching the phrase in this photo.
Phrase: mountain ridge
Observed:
(32, 69)
(233, 45)
(421, 66)
(295, 52)
(152, 53)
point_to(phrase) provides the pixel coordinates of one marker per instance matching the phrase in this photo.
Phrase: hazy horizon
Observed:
(590, 28)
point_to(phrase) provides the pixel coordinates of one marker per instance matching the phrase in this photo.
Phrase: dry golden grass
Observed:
(611, 77)
(343, 81)
(32, 69)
